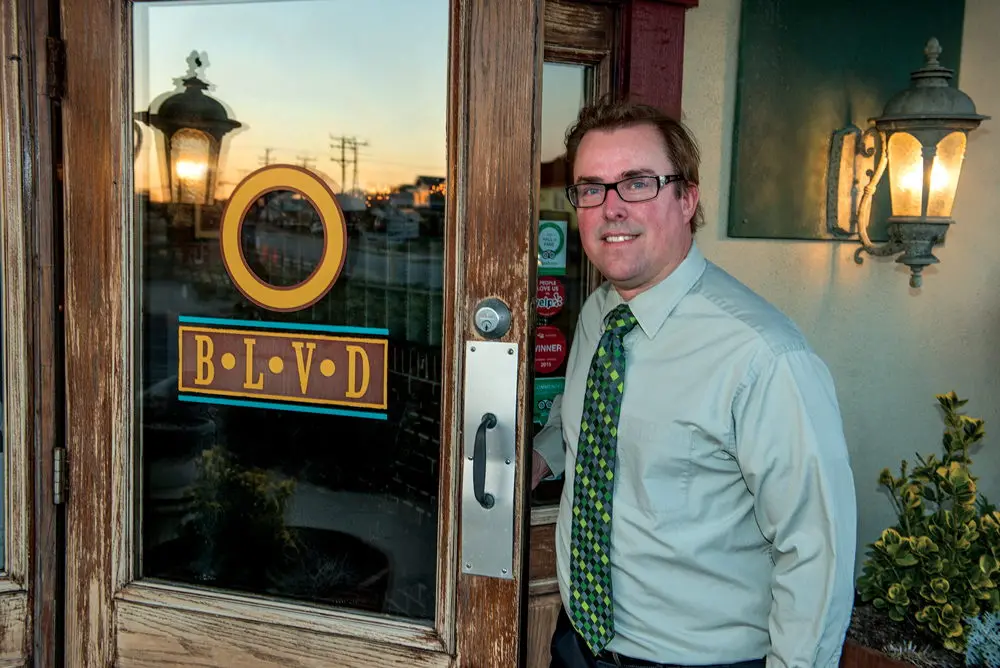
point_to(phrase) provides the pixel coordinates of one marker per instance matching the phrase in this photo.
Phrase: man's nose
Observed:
(614, 206)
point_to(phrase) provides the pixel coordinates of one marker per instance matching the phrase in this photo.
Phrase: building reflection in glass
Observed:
(337, 510)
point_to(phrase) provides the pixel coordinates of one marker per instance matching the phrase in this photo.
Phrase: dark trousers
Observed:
(570, 651)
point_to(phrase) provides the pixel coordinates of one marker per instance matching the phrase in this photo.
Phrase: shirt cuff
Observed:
(549, 441)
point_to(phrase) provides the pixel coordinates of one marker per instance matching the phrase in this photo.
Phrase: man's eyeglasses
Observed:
(634, 189)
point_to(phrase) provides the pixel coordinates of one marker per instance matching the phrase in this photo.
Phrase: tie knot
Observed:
(620, 321)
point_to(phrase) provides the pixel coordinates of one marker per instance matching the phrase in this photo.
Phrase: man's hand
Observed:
(539, 469)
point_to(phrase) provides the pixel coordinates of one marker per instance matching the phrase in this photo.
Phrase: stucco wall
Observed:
(890, 348)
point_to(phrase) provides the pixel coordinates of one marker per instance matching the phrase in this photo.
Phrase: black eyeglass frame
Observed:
(661, 181)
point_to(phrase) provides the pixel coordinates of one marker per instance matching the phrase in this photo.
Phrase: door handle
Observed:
(487, 457)
(479, 461)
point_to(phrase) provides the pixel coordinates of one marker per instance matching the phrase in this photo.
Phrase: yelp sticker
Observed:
(550, 297)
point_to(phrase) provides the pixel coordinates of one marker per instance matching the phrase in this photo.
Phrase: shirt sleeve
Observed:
(791, 447)
(549, 441)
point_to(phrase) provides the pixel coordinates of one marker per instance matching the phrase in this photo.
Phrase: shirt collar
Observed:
(652, 306)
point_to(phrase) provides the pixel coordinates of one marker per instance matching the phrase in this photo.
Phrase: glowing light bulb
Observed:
(912, 180)
(190, 169)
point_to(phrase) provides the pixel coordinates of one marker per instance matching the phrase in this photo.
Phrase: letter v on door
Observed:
(303, 365)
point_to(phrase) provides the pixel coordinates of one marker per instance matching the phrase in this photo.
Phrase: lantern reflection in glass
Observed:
(192, 126)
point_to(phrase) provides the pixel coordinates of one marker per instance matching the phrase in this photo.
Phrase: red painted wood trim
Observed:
(651, 65)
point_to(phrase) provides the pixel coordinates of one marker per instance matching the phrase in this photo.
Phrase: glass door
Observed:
(300, 270)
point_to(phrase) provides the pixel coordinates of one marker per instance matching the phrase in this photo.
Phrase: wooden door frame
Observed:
(15, 587)
(643, 38)
(31, 341)
(41, 81)
(650, 65)
(99, 298)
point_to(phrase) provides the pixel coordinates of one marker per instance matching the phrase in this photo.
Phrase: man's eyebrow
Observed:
(629, 174)
(643, 171)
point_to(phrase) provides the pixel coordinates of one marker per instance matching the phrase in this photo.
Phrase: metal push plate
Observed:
(490, 387)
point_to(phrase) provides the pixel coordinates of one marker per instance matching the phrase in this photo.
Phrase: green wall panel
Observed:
(806, 69)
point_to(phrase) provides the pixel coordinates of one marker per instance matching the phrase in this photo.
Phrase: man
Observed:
(708, 511)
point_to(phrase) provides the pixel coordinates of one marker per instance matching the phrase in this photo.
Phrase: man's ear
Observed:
(689, 200)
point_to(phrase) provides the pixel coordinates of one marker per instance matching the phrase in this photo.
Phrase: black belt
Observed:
(619, 661)
(572, 652)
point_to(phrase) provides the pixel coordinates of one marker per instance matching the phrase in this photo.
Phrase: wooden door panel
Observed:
(498, 251)
(98, 403)
(115, 615)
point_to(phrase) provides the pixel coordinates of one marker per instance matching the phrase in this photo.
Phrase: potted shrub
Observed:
(928, 595)
(236, 537)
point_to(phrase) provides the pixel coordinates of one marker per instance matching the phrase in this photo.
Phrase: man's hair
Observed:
(677, 140)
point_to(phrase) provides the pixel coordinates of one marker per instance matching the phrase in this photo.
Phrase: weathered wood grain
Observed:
(309, 618)
(15, 630)
(542, 614)
(160, 637)
(498, 203)
(587, 27)
(42, 221)
(97, 392)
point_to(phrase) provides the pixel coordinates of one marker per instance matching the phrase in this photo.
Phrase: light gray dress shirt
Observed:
(734, 516)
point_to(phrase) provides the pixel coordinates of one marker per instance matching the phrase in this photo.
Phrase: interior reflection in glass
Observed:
(275, 252)
(561, 285)
(340, 506)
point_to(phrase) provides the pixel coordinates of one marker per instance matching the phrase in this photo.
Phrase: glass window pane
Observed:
(289, 435)
(561, 288)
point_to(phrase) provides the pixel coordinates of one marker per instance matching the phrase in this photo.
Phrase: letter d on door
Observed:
(353, 354)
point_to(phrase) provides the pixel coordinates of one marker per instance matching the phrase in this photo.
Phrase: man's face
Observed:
(635, 245)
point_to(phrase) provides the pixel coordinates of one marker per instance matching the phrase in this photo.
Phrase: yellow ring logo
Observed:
(331, 263)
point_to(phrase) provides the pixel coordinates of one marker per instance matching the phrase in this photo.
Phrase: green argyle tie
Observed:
(590, 598)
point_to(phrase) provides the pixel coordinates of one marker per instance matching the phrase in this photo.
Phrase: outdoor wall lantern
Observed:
(921, 139)
(192, 126)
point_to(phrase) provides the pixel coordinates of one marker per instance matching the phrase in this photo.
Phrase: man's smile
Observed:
(618, 238)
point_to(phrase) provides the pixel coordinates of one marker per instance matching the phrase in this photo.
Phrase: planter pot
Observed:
(856, 656)
(171, 447)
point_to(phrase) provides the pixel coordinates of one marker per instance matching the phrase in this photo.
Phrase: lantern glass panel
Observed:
(906, 169)
(190, 151)
(906, 174)
(945, 174)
